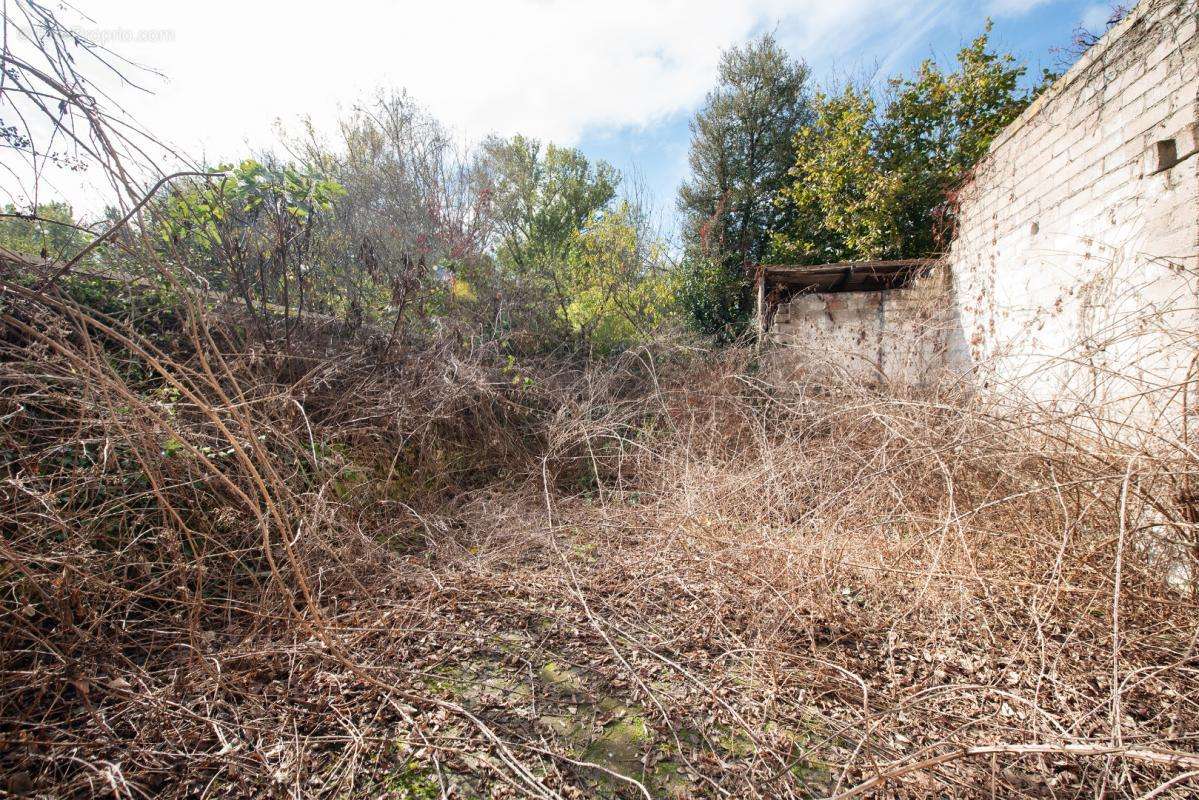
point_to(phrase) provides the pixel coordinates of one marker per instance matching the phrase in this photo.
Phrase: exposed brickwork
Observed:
(1072, 278)
(896, 336)
(1074, 262)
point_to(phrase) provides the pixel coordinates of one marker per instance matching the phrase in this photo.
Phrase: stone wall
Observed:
(1072, 277)
(899, 337)
(1074, 266)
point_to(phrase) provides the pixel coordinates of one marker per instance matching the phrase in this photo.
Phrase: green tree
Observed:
(49, 232)
(616, 280)
(840, 199)
(873, 183)
(541, 198)
(742, 144)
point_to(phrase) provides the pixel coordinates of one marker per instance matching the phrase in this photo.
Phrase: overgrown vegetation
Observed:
(381, 474)
(841, 175)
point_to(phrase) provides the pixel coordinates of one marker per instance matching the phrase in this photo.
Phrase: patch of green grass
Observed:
(619, 748)
(566, 680)
(411, 781)
(668, 780)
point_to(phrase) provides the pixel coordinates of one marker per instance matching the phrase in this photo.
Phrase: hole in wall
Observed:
(1165, 154)
(1035, 228)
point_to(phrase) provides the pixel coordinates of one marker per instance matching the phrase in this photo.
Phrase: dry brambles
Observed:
(423, 564)
(345, 572)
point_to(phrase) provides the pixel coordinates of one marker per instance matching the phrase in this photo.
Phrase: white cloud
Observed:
(549, 68)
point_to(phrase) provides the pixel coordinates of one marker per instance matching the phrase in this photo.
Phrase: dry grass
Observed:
(347, 572)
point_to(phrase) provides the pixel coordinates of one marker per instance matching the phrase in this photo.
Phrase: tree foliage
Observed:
(616, 279)
(414, 221)
(49, 232)
(399, 227)
(579, 263)
(742, 144)
(872, 181)
(249, 231)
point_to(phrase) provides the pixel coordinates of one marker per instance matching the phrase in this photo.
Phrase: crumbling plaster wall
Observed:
(1074, 265)
(898, 337)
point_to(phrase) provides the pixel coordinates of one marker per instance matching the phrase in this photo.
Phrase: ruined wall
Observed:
(898, 336)
(1075, 260)
(1072, 280)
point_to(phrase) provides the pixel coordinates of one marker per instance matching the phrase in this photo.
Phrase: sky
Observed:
(619, 79)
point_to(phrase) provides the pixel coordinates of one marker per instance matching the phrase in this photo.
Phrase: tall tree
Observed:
(871, 182)
(541, 198)
(742, 144)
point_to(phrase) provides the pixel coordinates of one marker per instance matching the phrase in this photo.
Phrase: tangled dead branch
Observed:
(347, 568)
(224, 577)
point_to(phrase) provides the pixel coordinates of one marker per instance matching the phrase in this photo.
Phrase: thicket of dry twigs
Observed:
(347, 571)
(356, 564)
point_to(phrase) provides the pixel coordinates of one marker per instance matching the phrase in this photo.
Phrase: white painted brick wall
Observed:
(1100, 303)
(1090, 308)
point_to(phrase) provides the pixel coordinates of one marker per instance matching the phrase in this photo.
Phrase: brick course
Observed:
(1098, 301)
(1118, 247)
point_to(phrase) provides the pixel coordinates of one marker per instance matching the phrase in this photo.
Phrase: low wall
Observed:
(898, 336)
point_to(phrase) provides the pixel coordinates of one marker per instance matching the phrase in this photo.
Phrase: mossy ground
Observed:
(609, 736)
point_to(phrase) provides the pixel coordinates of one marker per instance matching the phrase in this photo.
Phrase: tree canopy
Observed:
(871, 179)
(742, 144)
(588, 262)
